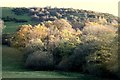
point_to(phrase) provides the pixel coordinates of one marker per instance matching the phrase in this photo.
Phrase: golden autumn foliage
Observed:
(96, 29)
(48, 34)
(58, 44)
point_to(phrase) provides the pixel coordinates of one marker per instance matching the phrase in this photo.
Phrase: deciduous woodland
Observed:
(66, 43)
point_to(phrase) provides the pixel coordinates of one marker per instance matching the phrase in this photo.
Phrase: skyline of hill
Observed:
(110, 6)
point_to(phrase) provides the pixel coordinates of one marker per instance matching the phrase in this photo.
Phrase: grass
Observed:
(8, 12)
(46, 74)
(12, 26)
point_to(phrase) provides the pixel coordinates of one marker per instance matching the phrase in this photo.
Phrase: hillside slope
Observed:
(13, 17)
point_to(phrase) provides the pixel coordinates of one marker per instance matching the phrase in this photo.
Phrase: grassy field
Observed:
(12, 26)
(8, 12)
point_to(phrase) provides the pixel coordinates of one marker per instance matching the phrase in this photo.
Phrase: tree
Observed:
(56, 37)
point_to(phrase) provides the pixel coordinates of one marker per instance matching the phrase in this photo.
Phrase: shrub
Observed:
(65, 64)
(6, 39)
(62, 52)
(48, 32)
(74, 62)
(97, 55)
(20, 11)
(27, 34)
(80, 53)
(57, 37)
(31, 49)
(105, 59)
(96, 29)
(40, 60)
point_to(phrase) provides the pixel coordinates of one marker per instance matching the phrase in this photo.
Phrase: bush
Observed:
(6, 39)
(62, 52)
(20, 11)
(65, 64)
(74, 62)
(80, 53)
(97, 55)
(93, 52)
(31, 49)
(96, 29)
(40, 60)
